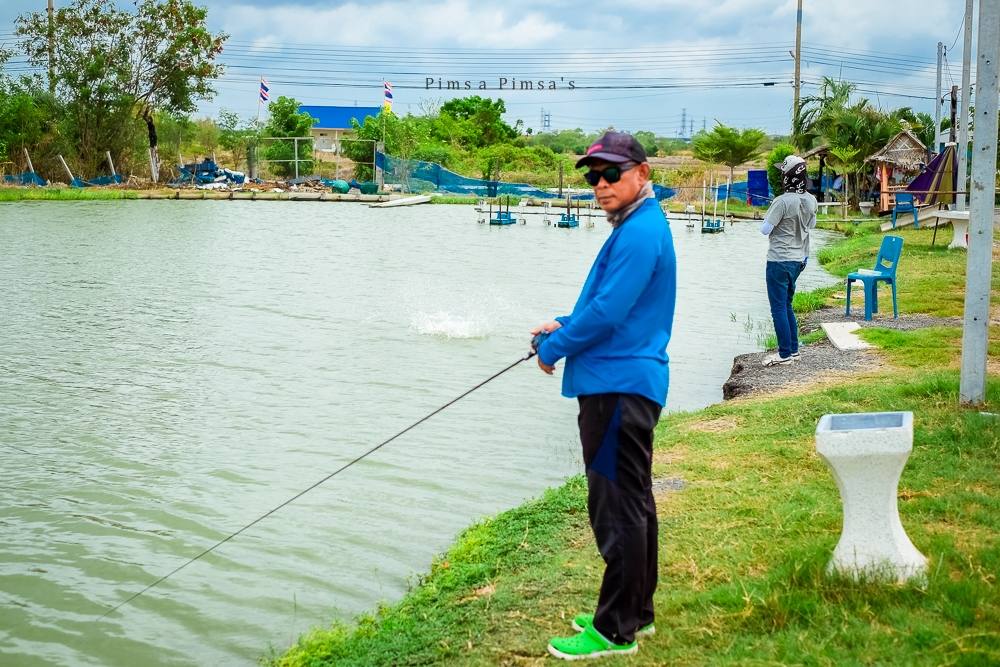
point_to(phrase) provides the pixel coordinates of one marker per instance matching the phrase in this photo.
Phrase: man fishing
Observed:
(786, 225)
(614, 343)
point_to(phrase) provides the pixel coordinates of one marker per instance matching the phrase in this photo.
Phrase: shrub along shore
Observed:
(749, 516)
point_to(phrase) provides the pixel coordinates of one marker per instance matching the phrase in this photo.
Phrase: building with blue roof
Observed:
(334, 123)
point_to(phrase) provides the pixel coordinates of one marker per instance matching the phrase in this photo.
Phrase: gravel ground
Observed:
(817, 360)
(811, 321)
(821, 359)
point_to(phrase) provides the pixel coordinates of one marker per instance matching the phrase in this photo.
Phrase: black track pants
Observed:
(617, 435)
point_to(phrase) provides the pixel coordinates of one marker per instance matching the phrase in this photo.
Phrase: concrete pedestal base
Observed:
(866, 453)
(961, 236)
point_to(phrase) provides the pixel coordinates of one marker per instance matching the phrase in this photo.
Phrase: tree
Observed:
(777, 154)
(648, 141)
(112, 63)
(814, 111)
(727, 145)
(237, 136)
(481, 121)
(286, 123)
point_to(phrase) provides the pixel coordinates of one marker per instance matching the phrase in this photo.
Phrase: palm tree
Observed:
(815, 109)
(854, 133)
(727, 145)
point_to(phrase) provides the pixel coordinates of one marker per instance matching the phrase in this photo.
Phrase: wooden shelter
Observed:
(899, 162)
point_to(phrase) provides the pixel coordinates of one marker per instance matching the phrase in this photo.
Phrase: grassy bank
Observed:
(745, 543)
(64, 194)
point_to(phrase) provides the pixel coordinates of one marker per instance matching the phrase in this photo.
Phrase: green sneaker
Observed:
(588, 644)
(586, 620)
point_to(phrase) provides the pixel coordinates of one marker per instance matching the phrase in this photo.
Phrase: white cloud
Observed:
(453, 22)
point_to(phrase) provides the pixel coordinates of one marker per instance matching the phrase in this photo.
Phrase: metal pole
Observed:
(798, 57)
(112, 163)
(66, 167)
(31, 167)
(296, 141)
(963, 112)
(972, 389)
(52, 49)
(560, 179)
(937, 100)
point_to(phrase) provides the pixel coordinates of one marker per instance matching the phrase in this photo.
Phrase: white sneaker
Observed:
(774, 360)
(795, 355)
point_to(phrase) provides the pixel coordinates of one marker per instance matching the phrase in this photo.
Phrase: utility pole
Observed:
(52, 48)
(954, 114)
(963, 113)
(684, 116)
(937, 100)
(972, 387)
(798, 57)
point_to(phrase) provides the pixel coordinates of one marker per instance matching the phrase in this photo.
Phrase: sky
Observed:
(633, 64)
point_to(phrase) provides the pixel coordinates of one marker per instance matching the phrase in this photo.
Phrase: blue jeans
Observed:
(781, 277)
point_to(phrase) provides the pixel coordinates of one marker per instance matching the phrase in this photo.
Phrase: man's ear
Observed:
(644, 170)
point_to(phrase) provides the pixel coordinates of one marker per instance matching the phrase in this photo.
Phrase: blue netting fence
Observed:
(26, 178)
(421, 177)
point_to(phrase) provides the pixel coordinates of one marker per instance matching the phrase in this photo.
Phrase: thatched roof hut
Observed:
(899, 161)
(904, 151)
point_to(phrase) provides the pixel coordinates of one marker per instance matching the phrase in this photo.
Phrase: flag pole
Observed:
(257, 124)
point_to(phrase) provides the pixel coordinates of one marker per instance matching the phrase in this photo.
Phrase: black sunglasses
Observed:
(611, 174)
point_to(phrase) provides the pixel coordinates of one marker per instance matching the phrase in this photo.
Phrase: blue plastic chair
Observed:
(904, 204)
(885, 265)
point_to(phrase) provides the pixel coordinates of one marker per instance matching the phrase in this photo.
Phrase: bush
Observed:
(777, 154)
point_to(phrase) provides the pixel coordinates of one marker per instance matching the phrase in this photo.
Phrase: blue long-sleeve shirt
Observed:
(615, 340)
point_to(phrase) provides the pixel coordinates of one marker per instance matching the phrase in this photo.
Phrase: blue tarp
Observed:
(27, 178)
(740, 191)
(758, 189)
(422, 176)
(100, 180)
(206, 171)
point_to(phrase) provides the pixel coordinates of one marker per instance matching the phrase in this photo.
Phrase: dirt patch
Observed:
(717, 425)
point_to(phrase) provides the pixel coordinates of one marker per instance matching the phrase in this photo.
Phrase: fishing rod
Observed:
(535, 343)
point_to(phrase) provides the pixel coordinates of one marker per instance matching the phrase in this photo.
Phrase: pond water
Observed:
(170, 371)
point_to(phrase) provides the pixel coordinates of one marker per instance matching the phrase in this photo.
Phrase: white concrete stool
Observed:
(866, 453)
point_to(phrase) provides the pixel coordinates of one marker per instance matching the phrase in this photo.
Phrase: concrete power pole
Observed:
(52, 48)
(937, 101)
(963, 112)
(972, 388)
(798, 58)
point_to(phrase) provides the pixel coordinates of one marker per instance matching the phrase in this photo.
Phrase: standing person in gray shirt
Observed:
(786, 226)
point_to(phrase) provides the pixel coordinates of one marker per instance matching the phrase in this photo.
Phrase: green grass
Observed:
(745, 544)
(63, 194)
(931, 279)
(743, 552)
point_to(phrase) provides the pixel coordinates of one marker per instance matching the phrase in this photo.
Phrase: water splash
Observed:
(447, 325)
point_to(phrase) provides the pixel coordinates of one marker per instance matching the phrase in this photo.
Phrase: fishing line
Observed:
(535, 342)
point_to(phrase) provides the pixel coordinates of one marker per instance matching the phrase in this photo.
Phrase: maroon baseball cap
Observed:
(614, 147)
